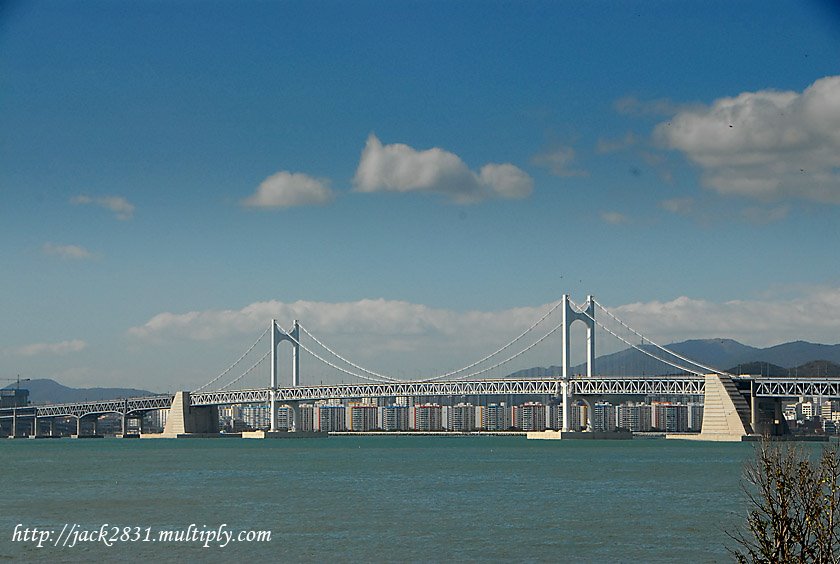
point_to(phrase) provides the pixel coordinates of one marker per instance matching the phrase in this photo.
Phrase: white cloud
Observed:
(64, 347)
(760, 323)
(559, 161)
(767, 144)
(409, 340)
(400, 168)
(122, 208)
(681, 206)
(614, 218)
(762, 215)
(290, 189)
(69, 252)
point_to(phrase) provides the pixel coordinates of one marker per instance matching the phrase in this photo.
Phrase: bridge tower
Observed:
(570, 315)
(277, 337)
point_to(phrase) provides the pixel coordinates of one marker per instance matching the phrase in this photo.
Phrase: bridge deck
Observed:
(578, 386)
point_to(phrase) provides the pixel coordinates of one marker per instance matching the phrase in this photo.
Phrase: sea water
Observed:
(379, 498)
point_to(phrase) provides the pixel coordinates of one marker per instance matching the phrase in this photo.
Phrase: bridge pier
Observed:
(185, 420)
(726, 414)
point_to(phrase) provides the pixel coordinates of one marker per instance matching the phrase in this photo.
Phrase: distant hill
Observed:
(798, 357)
(818, 368)
(44, 390)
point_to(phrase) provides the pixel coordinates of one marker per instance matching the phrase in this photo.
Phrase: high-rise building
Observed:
(495, 417)
(364, 417)
(603, 417)
(695, 416)
(634, 417)
(331, 418)
(427, 417)
(669, 417)
(395, 417)
(461, 417)
(308, 420)
(256, 416)
(531, 417)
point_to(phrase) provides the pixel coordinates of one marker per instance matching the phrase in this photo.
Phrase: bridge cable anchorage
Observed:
(356, 366)
(232, 366)
(708, 369)
(238, 378)
(640, 349)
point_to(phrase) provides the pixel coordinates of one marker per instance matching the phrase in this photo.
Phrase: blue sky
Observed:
(167, 167)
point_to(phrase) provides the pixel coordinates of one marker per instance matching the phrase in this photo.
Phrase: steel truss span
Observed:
(120, 406)
(796, 387)
(688, 385)
(577, 386)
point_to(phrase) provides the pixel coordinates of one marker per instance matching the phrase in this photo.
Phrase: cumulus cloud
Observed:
(760, 322)
(391, 336)
(290, 189)
(681, 206)
(614, 217)
(400, 168)
(388, 335)
(559, 161)
(68, 252)
(122, 208)
(63, 347)
(768, 144)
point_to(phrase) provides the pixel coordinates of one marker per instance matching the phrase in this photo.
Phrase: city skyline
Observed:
(417, 185)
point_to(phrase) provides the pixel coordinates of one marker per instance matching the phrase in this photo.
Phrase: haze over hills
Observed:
(44, 390)
(795, 358)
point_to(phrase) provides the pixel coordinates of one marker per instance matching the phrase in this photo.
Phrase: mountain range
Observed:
(797, 358)
(44, 390)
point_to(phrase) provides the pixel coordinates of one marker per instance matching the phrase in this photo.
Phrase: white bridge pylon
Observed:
(587, 315)
(277, 337)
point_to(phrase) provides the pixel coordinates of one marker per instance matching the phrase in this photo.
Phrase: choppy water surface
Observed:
(381, 498)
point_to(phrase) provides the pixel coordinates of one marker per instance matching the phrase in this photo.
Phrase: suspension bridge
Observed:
(733, 403)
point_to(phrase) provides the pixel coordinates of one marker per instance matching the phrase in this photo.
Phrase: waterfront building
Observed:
(428, 417)
(603, 417)
(155, 421)
(461, 417)
(495, 417)
(256, 416)
(530, 416)
(695, 416)
(395, 417)
(331, 418)
(364, 417)
(578, 417)
(555, 416)
(669, 417)
(634, 417)
(306, 412)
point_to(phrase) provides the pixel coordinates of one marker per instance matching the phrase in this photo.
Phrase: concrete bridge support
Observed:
(185, 420)
(726, 414)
